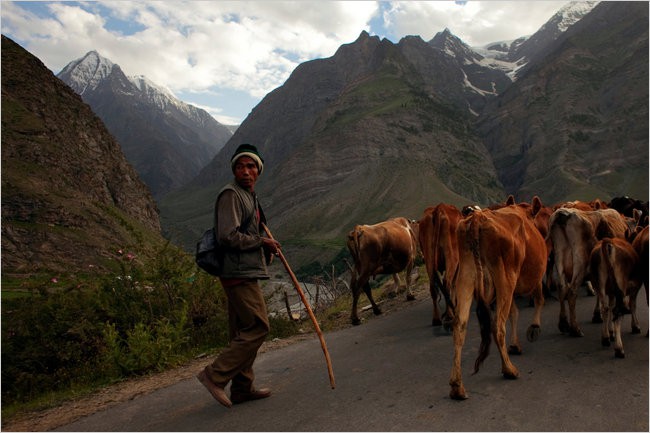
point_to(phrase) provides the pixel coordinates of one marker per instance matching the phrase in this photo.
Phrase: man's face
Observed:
(246, 172)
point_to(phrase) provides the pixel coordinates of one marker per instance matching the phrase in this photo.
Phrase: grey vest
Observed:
(244, 256)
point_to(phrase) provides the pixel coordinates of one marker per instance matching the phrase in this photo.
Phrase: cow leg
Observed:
(596, 316)
(505, 295)
(563, 288)
(356, 291)
(533, 331)
(448, 316)
(618, 342)
(368, 291)
(590, 288)
(396, 288)
(463, 302)
(604, 314)
(636, 328)
(572, 296)
(579, 273)
(515, 347)
(409, 294)
(357, 283)
(435, 284)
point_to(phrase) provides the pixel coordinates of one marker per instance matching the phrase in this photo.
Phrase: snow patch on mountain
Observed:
(88, 71)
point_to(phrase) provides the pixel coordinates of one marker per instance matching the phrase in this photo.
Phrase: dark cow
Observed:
(439, 246)
(574, 234)
(388, 247)
(501, 254)
(627, 206)
(614, 272)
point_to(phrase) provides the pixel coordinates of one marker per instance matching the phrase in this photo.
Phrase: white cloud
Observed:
(476, 22)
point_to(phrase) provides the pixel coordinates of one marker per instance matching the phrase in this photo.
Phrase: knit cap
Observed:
(250, 151)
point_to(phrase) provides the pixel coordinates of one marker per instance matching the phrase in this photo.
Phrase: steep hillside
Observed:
(166, 140)
(70, 200)
(575, 125)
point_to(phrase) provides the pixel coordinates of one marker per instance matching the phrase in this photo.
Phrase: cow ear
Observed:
(511, 200)
(537, 205)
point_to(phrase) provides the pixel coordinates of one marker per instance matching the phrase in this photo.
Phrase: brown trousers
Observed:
(248, 326)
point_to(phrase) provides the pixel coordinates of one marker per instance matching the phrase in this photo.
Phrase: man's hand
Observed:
(271, 245)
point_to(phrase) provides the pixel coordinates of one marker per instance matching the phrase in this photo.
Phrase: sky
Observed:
(225, 56)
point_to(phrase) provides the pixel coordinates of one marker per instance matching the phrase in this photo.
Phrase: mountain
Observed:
(382, 129)
(70, 199)
(576, 123)
(376, 130)
(167, 141)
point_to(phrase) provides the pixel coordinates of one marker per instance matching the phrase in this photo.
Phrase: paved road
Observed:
(392, 374)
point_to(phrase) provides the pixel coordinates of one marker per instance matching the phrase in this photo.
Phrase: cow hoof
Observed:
(436, 322)
(458, 393)
(514, 350)
(605, 342)
(511, 375)
(636, 330)
(576, 332)
(596, 318)
(448, 324)
(618, 353)
(563, 325)
(410, 297)
(376, 311)
(532, 334)
(356, 322)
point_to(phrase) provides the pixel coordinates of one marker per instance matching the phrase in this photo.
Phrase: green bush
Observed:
(152, 315)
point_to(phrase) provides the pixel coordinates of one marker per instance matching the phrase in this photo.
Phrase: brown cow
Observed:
(388, 247)
(614, 271)
(501, 254)
(439, 246)
(640, 245)
(574, 234)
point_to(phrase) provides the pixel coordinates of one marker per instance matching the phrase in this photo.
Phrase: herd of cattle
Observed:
(491, 255)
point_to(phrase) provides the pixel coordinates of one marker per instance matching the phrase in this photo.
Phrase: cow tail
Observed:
(354, 251)
(435, 259)
(482, 308)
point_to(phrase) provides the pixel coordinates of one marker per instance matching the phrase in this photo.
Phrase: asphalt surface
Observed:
(392, 374)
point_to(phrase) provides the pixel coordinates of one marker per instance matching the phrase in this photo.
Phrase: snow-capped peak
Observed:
(88, 71)
(568, 15)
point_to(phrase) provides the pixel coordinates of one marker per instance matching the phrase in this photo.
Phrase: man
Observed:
(238, 219)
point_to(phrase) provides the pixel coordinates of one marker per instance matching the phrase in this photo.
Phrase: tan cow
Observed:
(574, 234)
(439, 246)
(614, 272)
(501, 254)
(388, 247)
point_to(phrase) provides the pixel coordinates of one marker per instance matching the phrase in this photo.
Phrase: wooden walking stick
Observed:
(309, 310)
